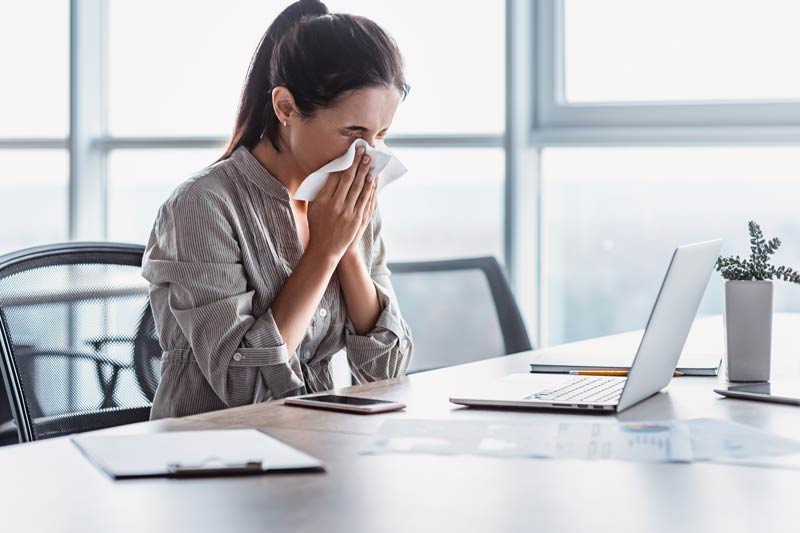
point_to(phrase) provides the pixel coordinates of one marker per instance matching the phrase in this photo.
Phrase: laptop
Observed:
(667, 328)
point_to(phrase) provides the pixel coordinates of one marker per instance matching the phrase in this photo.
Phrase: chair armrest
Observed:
(95, 358)
(52, 426)
(98, 343)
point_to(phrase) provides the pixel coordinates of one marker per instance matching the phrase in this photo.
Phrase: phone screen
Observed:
(346, 400)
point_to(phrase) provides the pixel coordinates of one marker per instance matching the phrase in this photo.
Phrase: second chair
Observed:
(459, 311)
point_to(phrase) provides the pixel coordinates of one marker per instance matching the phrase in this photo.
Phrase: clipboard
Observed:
(193, 453)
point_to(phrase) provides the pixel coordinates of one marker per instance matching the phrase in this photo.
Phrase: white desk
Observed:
(49, 486)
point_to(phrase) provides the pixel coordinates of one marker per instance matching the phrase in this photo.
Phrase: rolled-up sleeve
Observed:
(386, 350)
(200, 297)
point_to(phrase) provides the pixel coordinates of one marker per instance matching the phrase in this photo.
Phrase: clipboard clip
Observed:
(215, 465)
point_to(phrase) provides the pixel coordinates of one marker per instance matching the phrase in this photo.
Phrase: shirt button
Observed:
(237, 356)
(323, 312)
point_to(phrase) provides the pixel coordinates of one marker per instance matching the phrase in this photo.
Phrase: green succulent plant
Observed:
(757, 267)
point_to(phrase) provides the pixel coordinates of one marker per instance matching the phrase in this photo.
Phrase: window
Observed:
(185, 77)
(658, 124)
(34, 103)
(33, 198)
(714, 50)
(35, 87)
(612, 217)
(139, 181)
(638, 111)
(450, 204)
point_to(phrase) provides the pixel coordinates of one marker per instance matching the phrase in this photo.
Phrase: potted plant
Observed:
(747, 310)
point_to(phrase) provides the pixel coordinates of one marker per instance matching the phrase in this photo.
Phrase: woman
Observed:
(252, 291)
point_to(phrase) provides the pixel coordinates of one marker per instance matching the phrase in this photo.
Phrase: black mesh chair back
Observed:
(73, 322)
(459, 311)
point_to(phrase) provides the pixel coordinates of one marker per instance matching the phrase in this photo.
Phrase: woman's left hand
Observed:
(352, 250)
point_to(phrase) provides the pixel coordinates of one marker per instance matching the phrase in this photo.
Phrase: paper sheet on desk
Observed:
(728, 442)
(383, 164)
(648, 442)
(664, 441)
(477, 437)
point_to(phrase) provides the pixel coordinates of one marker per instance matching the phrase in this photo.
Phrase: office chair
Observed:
(458, 310)
(71, 316)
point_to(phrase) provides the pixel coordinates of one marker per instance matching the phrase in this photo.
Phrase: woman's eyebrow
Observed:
(360, 128)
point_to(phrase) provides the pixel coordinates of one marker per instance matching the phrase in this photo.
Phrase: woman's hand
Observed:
(341, 211)
(352, 250)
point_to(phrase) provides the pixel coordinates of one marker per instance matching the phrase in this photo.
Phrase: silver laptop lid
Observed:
(670, 320)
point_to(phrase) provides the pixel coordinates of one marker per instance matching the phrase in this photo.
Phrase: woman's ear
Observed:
(283, 103)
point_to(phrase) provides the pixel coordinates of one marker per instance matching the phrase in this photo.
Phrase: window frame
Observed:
(556, 112)
(559, 123)
(537, 117)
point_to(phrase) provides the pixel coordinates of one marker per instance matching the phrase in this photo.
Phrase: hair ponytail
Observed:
(257, 93)
(302, 50)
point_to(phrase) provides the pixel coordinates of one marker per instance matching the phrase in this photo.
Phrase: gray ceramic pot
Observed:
(748, 330)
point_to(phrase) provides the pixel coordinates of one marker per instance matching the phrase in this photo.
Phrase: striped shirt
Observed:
(221, 248)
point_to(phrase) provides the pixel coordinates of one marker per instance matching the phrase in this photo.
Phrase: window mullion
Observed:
(521, 217)
(87, 191)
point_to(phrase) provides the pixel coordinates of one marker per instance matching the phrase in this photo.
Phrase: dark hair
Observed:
(318, 56)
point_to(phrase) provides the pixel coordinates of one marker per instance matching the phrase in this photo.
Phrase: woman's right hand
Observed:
(335, 216)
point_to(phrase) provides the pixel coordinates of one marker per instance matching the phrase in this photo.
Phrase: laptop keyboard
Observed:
(587, 389)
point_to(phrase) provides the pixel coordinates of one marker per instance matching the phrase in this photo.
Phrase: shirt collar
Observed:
(255, 172)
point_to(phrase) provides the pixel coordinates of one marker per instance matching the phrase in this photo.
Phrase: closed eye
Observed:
(358, 131)
(381, 137)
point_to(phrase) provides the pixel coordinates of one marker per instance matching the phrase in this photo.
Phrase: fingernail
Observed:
(366, 159)
(359, 150)
(369, 178)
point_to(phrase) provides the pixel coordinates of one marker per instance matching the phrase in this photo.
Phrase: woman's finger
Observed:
(347, 177)
(364, 199)
(357, 188)
(370, 203)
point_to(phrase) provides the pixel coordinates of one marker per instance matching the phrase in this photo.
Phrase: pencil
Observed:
(609, 373)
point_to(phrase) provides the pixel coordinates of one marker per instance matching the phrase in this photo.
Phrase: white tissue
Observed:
(383, 164)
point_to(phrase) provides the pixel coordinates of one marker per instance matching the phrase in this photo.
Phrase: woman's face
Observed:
(364, 113)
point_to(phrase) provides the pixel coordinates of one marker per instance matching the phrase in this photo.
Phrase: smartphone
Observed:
(779, 391)
(351, 404)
